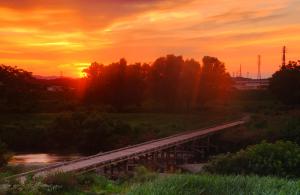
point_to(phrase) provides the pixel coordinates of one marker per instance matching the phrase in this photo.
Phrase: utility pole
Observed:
(240, 70)
(283, 56)
(258, 67)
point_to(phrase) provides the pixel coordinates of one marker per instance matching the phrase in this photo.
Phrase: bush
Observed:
(88, 133)
(291, 129)
(279, 159)
(65, 180)
(64, 183)
(142, 174)
(4, 154)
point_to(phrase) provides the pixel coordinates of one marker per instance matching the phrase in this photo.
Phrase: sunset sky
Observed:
(50, 36)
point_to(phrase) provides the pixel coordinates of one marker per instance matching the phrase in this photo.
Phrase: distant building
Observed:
(56, 88)
(250, 84)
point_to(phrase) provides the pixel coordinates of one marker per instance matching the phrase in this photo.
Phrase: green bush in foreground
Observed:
(64, 183)
(278, 159)
(216, 185)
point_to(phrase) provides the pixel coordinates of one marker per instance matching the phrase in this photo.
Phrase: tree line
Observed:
(170, 83)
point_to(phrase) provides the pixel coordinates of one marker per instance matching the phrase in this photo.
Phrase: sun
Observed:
(82, 74)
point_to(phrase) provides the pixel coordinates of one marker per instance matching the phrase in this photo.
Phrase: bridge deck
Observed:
(142, 148)
(129, 152)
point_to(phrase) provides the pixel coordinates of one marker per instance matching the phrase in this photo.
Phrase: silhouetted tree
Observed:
(94, 86)
(189, 80)
(117, 84)
(135, 84)
(164, 80)
(170, 82)
(114, 84)
(214, 83)
(18, 89)
(285, 83)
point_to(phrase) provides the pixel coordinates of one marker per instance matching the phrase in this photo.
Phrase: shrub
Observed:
(142, 174)
(279, 159)
(31, 186)
(91, 179)
(291, 129)
(4, 154)
(65, 180)
(99, 184)
(88, 132)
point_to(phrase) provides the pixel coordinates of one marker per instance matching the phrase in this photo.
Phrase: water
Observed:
(41, 159)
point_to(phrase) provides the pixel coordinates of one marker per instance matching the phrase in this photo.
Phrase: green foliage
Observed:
(291, 129)
(32, 187)
(98, 184)
(89, 132)
(215, 185)
(278, 159)
(277, 125)
(92, 132)
(65, 183)
(65, 180)
(142, 174)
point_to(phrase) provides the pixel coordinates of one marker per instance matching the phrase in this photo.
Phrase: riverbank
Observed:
(93, 132)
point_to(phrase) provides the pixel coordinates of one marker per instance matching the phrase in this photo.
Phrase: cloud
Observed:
(58, 32)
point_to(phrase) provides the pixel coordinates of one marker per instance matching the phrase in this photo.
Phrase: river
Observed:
(41, 159)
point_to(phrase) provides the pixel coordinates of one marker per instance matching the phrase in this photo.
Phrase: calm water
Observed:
(40, 159)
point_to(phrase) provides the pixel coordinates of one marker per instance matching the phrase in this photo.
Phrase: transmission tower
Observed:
(283, 56)
(258, 68)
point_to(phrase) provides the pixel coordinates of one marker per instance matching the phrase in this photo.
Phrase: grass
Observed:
(180, 184)
(164, 123)
(167, 124)
(215, 185)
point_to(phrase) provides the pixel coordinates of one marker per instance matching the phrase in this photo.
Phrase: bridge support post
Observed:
(125, 166)
(111, 170)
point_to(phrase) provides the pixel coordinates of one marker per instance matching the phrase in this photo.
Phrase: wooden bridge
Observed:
(162, 153)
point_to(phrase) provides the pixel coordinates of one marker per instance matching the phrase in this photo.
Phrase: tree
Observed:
(94, 87)
(19, 89)
(215, 83)
(189, 80)
(117, 84)
(164, 80)
(135, 84)
(285, 83)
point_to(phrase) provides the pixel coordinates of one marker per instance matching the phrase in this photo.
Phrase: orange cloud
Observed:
(51, 36)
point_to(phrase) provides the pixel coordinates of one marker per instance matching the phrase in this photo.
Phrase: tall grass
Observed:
(217, 185)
